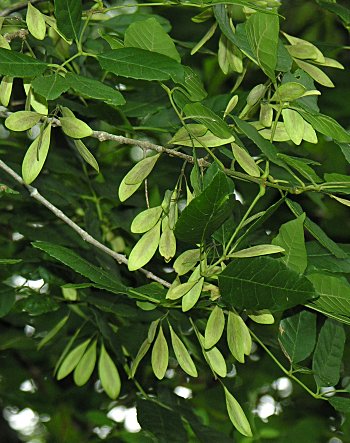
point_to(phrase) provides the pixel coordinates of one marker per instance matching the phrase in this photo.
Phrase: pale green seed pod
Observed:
(75, 128)
(246, 162)
(145, 220)
(85, 367)
(160, 355)
(186, 261)
(6, 90)
(134, 178)
(256, 94)
(167, 243)
(215, 327)
(35, 156)
(237, 415)
(182, 355)
(109, 375)
(22, 120)
(35, 22)
(266, 115)
(145, 248)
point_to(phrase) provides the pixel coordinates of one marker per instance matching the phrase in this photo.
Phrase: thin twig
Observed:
(17, 7)
(21, 33)
(120, 258)
(103, 136)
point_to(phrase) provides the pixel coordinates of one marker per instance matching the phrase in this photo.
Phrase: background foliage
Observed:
(206, 141)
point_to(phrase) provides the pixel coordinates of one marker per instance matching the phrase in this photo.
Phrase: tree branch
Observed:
(120, 258)
(103, 136)
(261, 181)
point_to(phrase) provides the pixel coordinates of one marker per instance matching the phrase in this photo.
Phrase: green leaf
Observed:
(245, 161)
(54, 331)
(316, 231)
(34, 100)
(86, 154)
(238, 38)
(167, 242)
(162, 423)
(67, 349)
(150, 35)
(328, 353)
(91, 88)
(15, 64)
(146, 220)
(338, 183)
(4, 43)
(345, 149)
(262, 318)
(160, 355)
(6, 86)
(71, 360)
(341, 404)
(68, 15)
(7, 300)
(114, 42)
(209, 119)
(186, 261)
(300, 165)
(316, 73)
(294, 124)
(205, 213)
(194, 85)
(9, 261)
(238, 337)
(215, 360)
(198, 135)
(237, 415)
(35, 157)
(81, 266)
(214, 328)
(267, 148)
(120, 23)
(192, 296)
(182, 355)
(262, 34)
(204, 434)
(146, 344)
(178, 291)
(86, 366)
(145, 248)
(341, 11)
(297, 336)
(334, 293)
(140, 64)
(291, 239)
(22, 120)
(319, 259)
(35, 22)
(288, 92)
(343, 201)
(263, 283)
(75, 128)
(109, 375)
(50, 86)
(324, 124)
(256, 251)
(133, 179)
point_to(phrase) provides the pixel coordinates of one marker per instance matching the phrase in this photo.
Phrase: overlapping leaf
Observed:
(263, 283)
(206, 212)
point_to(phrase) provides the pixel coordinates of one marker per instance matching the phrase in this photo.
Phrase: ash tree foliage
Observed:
(175, 214)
